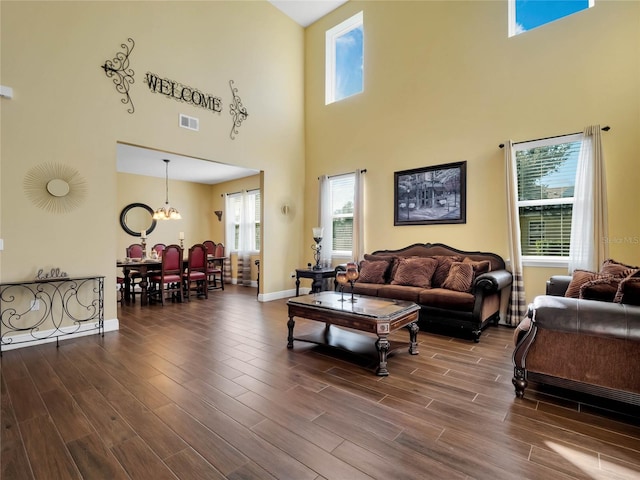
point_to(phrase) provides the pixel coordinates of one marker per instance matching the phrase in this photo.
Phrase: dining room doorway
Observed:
(196, 187)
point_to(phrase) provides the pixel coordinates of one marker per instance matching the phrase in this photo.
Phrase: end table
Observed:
(316, 275)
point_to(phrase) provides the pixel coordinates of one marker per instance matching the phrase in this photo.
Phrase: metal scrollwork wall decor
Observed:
(122, 75)
(237, 110)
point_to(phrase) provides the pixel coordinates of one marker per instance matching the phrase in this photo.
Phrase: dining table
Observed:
(145, 267)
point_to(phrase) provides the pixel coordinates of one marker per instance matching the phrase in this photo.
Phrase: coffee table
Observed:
(379, 316)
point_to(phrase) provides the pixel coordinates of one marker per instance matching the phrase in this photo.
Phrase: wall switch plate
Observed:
(1, 244)
(35, 305)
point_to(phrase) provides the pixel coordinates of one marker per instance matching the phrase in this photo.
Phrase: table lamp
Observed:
(317, 237)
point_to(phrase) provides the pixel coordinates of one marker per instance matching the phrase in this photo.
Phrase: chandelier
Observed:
(166, 212)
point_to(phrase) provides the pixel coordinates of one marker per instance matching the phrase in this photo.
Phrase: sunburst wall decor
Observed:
(55, 187)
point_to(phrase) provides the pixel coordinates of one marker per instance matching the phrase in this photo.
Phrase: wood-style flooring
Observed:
(208, 390)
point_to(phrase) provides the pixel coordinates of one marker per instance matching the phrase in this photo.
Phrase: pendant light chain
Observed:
(166, 212)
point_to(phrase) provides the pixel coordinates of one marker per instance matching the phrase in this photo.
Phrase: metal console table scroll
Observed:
(39, 311)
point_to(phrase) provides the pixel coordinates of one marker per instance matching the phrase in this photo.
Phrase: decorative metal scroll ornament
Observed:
(122, 75)
(237, 110)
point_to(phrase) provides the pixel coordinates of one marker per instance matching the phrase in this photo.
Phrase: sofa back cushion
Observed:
(414, 271)
(440, 249)
(479, 266)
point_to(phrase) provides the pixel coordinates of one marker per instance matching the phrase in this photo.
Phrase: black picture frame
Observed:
(431, 195)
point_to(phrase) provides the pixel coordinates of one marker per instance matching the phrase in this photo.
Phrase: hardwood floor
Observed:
(208, 390)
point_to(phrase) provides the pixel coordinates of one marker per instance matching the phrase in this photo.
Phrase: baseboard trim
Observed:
(24, 340)
(268, 297)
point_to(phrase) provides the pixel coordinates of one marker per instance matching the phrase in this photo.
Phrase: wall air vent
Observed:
(192, 123)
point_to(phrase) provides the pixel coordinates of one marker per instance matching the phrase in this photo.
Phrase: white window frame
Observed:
(543, 260)
(332, 180)
(330, 56)
(511, 15)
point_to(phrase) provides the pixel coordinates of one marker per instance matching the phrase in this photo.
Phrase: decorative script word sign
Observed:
(51, 274)
(183, 93)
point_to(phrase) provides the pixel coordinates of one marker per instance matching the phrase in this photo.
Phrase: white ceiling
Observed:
(148, 162)
(305, 12)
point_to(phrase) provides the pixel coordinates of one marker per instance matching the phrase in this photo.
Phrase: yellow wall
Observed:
(65, 110)
(444, 83)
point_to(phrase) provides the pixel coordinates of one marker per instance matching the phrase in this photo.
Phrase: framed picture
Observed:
(431, 195)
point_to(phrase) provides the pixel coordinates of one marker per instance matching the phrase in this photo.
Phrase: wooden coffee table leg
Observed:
(413, 338)
(290, 325)
(382, 345)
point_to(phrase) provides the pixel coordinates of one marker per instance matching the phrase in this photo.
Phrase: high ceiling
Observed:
(305, 12)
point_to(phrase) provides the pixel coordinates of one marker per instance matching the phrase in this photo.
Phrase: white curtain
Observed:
(241, 211)
(589, 224)
(517, 302)
(246, 233)
(358, 217)
(325, 220)
(229, 226)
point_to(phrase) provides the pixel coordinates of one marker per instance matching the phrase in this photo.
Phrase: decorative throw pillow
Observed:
(460, 277)
(579, 278)
(373, 271)
(442, 270)
(602, 289)
(628, 291)
(479, 267)
(414, 271)
(617, 269)
(382, 258)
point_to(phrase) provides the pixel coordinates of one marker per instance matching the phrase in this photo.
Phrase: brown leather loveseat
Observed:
(454, 288)
(582, 344)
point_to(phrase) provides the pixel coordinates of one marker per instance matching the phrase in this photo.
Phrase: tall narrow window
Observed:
(342, 201)
(344, 59)
(526, 15)
(245, 218)
(546, 172)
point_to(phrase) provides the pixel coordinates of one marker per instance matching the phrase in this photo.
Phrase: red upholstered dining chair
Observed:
(120, 283)
(215, 268)
(134, 251)
(169, 279)
(159, 248)
(195, 278)
(210, 245)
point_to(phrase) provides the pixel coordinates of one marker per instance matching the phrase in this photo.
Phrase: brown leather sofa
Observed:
(589, 346)
(450, 293)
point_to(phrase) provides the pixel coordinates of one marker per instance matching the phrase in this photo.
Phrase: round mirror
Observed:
(137, 217)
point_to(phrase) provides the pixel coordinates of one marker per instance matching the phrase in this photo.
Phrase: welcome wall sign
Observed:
(122, 74)
(183, 93)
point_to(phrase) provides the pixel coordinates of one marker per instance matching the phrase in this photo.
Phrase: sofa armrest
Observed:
(493, 281)
(557, 285)
(588, 317)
